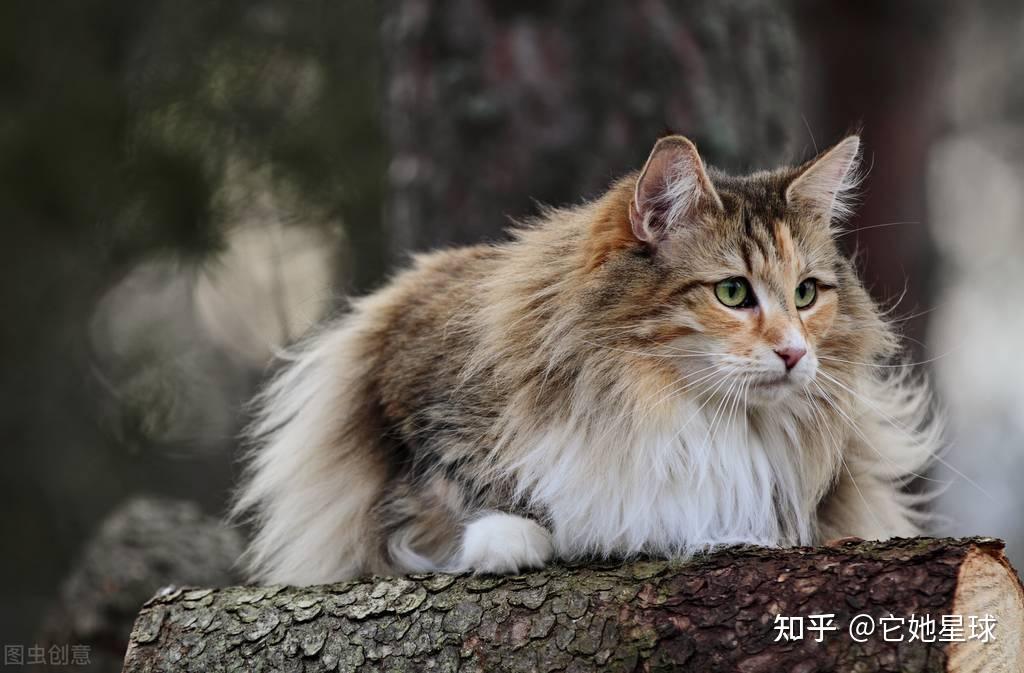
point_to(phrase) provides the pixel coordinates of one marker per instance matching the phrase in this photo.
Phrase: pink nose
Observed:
(791, 355)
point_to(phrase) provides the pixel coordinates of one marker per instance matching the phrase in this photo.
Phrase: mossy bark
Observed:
(713, 613)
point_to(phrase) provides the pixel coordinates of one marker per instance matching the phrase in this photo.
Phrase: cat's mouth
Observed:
(771, 390)
(774, 388)
(773, 382)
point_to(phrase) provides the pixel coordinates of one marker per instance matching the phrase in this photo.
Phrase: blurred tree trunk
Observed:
(892, 92)
(492, 107)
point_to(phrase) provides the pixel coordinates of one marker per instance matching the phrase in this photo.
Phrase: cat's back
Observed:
(432, 294)
(419, 328)
(435, 281)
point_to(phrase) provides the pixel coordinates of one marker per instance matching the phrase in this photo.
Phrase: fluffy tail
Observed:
(312, 475)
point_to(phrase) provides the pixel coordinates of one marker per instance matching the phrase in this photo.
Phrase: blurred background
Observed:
(186, 186)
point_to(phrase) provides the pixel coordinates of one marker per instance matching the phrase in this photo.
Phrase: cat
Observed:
(687, 361)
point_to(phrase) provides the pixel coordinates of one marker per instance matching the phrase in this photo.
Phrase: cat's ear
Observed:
(825, 184)
(670, 189)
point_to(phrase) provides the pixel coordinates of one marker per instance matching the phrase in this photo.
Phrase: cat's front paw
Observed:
(502, 544)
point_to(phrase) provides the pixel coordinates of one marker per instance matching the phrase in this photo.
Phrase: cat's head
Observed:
(737, 281)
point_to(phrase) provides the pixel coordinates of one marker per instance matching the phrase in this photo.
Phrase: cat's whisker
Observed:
(822, 424)
(909, 435)
(710, 391)
(891, 366)
(860, 493)
(643, 353)
(692, 354)
(643, 337)
(899, 300)
(674, 393)
(923, 345)
(847, 232)
(657, 344)
(602, 328)
(853, 426)
(717, 420)
(913, 316)
(686, 350)
(718, 410)
(746, 416)
(853, 480)
(687, 383)
(736, 409)
(860, 433)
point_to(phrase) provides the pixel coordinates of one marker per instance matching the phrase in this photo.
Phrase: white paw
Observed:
(502, 544)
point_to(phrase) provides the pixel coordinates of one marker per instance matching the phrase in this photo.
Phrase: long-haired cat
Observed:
(687, 361)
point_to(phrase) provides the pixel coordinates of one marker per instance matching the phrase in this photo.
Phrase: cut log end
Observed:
(988, 585)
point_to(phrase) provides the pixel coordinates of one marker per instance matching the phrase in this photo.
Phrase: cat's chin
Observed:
(775, 393)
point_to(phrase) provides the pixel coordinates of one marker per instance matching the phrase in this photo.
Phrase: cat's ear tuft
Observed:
(826, 184)
(672, 185)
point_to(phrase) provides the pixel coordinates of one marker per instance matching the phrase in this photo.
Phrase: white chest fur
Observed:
(672, 487)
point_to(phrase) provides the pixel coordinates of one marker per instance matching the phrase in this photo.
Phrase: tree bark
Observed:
(713, 613)
(492, 107)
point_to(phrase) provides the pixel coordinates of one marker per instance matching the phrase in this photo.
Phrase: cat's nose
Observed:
(791, 355)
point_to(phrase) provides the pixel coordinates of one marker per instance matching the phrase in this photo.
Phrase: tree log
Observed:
(713, 613)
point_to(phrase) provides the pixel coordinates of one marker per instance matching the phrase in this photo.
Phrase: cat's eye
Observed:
(735, 293)
(806, 293)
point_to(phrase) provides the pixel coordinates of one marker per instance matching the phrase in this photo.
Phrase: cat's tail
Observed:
(312, 475)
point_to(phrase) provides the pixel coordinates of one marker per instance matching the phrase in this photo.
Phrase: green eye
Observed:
(735, 293)
(806, 292)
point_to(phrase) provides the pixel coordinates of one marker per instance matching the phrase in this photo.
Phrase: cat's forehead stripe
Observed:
(757, 233)
(745, 251)
(784, 241)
